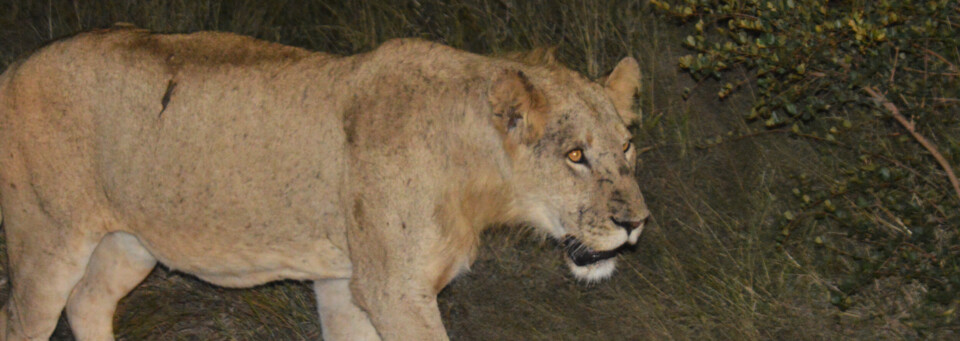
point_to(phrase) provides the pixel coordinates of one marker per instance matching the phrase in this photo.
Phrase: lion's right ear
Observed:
(519, 108)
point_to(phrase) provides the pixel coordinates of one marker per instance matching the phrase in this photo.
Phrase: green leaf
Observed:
(774, 120)
(791, 109)
(686, 61)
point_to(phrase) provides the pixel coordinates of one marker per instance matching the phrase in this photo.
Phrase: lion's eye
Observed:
(626, 147)
(576, 155)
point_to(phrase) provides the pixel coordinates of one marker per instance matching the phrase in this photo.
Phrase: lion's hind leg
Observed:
(118, 264)
(46, 259)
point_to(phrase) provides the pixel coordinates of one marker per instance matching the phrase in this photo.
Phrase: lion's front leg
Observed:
(399, 309)
(392, 280)
(340, 317)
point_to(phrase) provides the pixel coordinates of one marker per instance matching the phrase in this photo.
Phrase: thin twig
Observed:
(896, 57)
(880, 98)
(926, 73)
(941, 58)
(50, 18)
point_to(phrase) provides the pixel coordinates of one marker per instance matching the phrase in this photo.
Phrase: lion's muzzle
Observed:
(633, 227)
(582, 255)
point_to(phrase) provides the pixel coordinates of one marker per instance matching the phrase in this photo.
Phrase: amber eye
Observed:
(576, 155)
(626, 147)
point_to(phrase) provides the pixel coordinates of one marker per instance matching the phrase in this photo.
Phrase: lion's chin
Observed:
(593, 272)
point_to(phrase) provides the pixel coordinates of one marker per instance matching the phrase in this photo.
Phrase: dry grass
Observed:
(708, 268)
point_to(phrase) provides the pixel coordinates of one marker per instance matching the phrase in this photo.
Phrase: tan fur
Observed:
(515, 101)
(622, 84)
(243, 162)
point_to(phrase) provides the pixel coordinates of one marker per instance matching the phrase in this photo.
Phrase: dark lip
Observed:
(582, 255)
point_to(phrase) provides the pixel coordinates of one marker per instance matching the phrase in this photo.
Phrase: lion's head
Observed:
(573, 161)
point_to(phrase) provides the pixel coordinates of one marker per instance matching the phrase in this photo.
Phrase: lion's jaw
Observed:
(593, 272)
(585, 211)
(597, 261)
(590, 260)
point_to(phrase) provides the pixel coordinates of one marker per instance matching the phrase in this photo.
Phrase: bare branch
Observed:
(880, 98)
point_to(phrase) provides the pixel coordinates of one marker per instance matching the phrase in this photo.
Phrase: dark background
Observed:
(707, 268)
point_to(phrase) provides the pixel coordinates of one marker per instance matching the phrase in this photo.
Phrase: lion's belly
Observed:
(234, 194)
(238, 225)
(236, 236)
(249, 263)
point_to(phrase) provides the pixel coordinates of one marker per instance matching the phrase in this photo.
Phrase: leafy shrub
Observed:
(868, 79)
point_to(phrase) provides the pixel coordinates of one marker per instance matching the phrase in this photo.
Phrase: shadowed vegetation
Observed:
(709, 267)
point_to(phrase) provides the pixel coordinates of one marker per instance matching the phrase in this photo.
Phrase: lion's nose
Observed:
(632, 224)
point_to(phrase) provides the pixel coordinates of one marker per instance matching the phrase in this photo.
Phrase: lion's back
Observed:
(125, 127)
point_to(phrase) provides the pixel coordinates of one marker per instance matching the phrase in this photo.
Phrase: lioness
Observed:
(244, 162)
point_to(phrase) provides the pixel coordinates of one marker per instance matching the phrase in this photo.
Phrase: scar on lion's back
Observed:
(210, 49)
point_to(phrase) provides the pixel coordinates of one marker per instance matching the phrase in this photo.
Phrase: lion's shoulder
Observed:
(412, 51)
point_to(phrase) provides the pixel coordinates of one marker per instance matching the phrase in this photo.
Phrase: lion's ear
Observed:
(622, 85)
(519, 108)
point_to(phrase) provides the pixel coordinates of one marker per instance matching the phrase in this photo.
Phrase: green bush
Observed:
(839, 72)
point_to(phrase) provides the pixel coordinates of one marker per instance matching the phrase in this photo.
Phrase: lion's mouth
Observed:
(582, 255)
